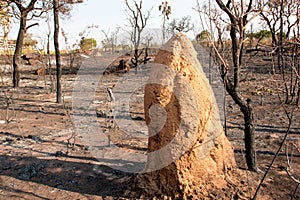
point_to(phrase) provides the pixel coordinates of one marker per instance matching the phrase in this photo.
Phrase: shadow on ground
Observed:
(84, 178)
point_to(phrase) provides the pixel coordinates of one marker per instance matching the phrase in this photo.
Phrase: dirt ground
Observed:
(42, 158)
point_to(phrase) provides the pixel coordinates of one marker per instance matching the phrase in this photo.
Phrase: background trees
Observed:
(204, 38)
(23, 11)
(110, 41)
(87, 44)
(137, 22)
(5, 21)
(180, 25)
(282, 19)
(165, 9)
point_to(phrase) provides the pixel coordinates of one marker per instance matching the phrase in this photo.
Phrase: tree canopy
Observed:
(87, 44)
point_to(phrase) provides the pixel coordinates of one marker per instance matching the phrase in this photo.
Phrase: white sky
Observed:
(108, 15)
(112, 13)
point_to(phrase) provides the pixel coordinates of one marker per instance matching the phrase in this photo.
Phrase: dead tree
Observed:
(180, 25)
(238, 14)
(138, 21)
(57, 51)
(147, 42)
(282, 19)
(23, 12)
(111, 39)
(165, 11)
(59, 6)
(5, 22)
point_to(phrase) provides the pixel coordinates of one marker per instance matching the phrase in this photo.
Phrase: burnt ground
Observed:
(42, 158)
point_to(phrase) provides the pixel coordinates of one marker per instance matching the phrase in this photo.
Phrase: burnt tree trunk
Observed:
(57, 52)
(245, 105)
(18, 51)
(20, 39)
(49, 65)
(249, 135)
(136, 59)
(249, 130)
(237, 34)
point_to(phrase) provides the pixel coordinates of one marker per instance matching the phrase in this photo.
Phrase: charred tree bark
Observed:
(57, 52)
(135, 60)
(249, 131)
(237, 34)
(20, 39)
(249, 135)
(18, 51)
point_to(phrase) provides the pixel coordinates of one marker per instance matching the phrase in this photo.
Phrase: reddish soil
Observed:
(39, 159)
